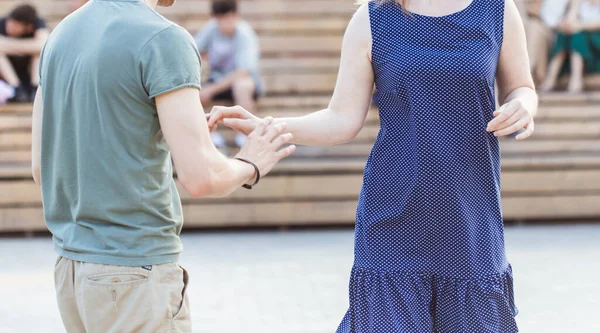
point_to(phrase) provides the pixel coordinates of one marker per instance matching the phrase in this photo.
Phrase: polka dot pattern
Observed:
(429, 247)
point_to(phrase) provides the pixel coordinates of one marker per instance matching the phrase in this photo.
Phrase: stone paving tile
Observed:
(296, 282)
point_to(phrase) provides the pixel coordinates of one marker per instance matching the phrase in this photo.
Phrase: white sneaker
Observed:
(240, 139)
(218, 139)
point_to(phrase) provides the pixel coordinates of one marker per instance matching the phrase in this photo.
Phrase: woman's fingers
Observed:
(512, 128)
(511, 118)
(516, 122)
(502, 114)
(218, 113)
(244, 126)
(511, 121)
(529, 128)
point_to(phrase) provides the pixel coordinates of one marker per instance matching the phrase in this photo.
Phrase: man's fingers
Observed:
(285, 152)
(283, 139)
(262, 126)
(504, 112)
(275, 131)
(529, 128)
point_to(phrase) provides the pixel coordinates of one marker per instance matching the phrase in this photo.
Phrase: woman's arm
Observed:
(349, 105)
(516, 89)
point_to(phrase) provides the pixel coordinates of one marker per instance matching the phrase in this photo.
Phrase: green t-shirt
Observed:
(108, 191)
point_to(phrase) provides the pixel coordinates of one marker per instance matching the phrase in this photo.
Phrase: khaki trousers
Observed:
(94, 298)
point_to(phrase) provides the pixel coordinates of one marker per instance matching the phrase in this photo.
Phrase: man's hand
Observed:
(510, 118)
(235, 117)
(263, 144)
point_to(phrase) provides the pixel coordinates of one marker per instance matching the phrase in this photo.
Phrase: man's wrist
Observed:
(249, 185)
(249, 172)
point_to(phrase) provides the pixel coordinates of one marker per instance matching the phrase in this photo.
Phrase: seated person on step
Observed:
(22, 37)
(231, 48)
(577, 46)
(542, 17)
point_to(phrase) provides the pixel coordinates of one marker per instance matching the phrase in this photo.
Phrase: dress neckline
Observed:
(456, 13)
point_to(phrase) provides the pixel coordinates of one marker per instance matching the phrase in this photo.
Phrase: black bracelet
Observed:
(255, 170)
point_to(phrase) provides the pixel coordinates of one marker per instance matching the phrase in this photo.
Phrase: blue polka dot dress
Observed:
(429, 239)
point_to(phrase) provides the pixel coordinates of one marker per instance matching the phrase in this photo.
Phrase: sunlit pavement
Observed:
(296, 281)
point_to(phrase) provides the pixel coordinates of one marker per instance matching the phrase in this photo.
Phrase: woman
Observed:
(429, 244)
(579, 40)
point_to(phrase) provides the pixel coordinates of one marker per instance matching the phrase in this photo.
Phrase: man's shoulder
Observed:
(171, 32)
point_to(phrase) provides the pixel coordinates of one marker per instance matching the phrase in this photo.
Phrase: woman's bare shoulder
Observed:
(359, 28)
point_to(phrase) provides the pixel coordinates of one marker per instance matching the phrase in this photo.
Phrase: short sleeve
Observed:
(40, 63)
(248, 55)
(204, 36)
(169, 61)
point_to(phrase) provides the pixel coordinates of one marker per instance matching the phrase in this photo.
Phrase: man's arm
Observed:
(36, 136)
(16, 46)
(201, 168)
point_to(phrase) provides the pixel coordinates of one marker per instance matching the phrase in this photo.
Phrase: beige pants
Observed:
(95, 298)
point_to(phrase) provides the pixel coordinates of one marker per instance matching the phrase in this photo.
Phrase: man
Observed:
(22, 36)
(231, 47)
(119, 96)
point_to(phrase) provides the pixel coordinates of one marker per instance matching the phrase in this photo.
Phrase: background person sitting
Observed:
(577, 45)
(231, 48)
(542, 18)
(22, 37)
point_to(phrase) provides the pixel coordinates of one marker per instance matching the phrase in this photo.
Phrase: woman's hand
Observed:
(510, 118)
(235, 117)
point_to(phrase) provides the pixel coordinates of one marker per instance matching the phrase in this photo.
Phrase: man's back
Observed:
(118, 83)
(108, 192)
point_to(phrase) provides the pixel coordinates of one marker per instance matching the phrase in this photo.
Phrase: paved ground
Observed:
(295, 282)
